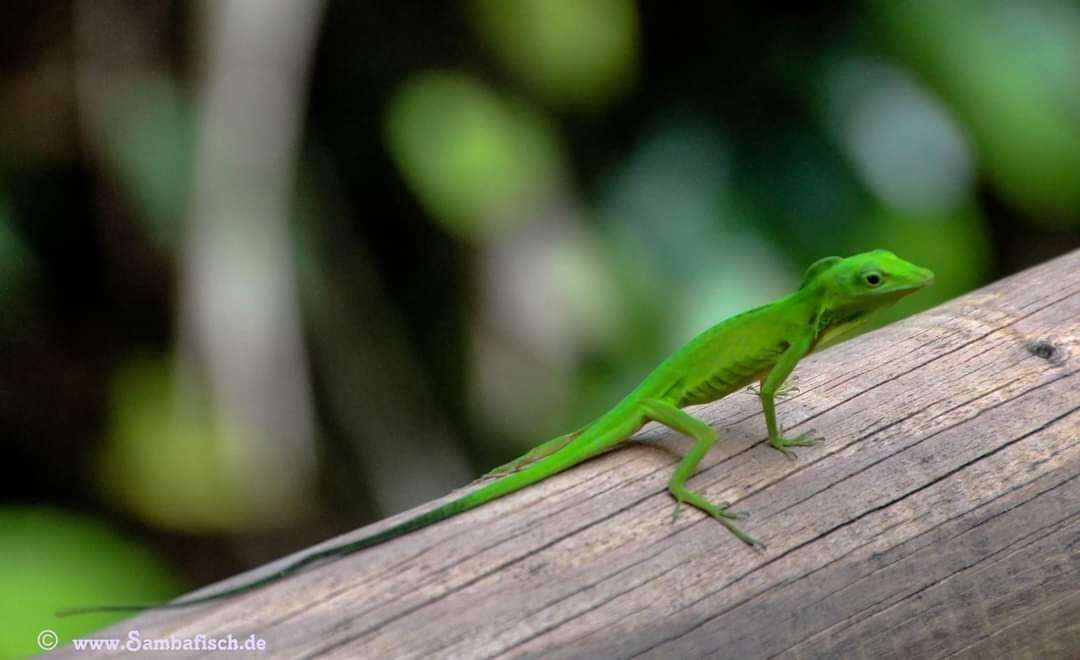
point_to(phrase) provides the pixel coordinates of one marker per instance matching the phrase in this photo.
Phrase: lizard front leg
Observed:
(777, 375)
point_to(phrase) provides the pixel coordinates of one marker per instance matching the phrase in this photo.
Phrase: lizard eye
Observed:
(873, 279)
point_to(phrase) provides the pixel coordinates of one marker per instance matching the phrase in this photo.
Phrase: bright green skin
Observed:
(762, 345)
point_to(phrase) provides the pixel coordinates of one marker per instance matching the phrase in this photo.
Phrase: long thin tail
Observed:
(542, 468)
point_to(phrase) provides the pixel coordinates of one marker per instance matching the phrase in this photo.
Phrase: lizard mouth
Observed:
(903, 289)
(915, 286)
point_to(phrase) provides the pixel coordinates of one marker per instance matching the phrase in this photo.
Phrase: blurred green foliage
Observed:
(148, 139)
(1011, 72)
(53, 560)
(162, 442)
(537, 199)
(472, 158)
(571, 53)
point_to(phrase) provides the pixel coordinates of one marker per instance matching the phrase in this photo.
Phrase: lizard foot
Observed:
(718, 511)
(802, 440)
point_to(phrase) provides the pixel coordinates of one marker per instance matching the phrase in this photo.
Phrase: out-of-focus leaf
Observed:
(753, 272)
(669, 198)
(164, 457)
(800, 186)
(53, 560)
(669, 211)
(477, 161)
(573, 52)
(549, 297)
(1011, 72)
(902, 141)
(149, 137)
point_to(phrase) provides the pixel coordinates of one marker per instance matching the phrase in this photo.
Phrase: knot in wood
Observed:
(1047, 351)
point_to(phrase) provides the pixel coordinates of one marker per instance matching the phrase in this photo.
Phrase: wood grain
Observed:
(941, 519)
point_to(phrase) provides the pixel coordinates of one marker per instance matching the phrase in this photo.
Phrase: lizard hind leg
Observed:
(542, 450)
(674, 418)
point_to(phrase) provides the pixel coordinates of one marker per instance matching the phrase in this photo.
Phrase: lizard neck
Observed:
(833, 326)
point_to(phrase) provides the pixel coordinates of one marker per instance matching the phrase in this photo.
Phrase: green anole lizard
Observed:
(762, 345)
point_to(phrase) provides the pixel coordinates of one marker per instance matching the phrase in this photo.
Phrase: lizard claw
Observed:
(717, 511)
(781, 392)
(803, 440)
(787, 390)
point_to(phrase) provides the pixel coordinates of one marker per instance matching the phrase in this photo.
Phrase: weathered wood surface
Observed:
(940, 519)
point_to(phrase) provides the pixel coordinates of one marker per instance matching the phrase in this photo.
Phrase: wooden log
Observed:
(940, 519)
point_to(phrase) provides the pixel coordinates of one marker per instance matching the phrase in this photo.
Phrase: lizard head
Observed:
(868, 281)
